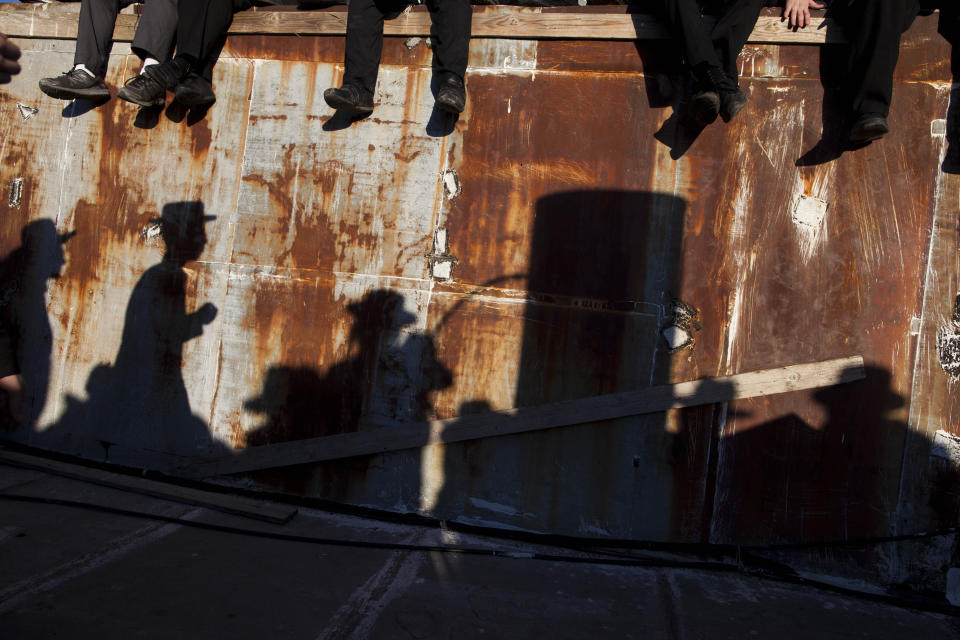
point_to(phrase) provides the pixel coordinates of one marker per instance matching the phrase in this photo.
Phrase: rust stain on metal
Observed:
(331, 263)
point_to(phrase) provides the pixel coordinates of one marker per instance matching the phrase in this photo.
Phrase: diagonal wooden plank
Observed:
(548, 416)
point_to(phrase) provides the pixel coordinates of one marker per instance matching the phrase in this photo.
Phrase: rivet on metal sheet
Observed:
(27, 112)
(16, 192)
(451, 183)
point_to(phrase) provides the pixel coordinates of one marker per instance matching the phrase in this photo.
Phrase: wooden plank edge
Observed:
(548, 416)
(234, 505)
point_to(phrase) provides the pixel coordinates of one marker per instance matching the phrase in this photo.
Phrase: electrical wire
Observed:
(742, 566)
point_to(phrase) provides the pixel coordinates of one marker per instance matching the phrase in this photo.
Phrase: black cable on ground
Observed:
(770, 572)
(548, 539)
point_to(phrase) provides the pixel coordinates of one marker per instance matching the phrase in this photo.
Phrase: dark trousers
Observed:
(153, 39)
(873, 29)
(8, 360)
(203, 31)
(450, 32)
(717, 47)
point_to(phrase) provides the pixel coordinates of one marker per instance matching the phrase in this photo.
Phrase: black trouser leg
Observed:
(873, 28)
(365, 41)
(732, 31)
(8, 359)
(451, 35)
(202, 31)
(156, 30)
(95, 34)
(684, 20)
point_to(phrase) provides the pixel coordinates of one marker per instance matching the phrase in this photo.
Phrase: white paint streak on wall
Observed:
(503, 55)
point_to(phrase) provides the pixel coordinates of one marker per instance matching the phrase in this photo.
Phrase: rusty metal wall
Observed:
(401, 268)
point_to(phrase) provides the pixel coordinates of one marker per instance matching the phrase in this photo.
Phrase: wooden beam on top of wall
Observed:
(58, 20)
(547, 416)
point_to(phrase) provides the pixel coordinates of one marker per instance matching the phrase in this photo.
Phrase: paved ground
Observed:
(77, 573)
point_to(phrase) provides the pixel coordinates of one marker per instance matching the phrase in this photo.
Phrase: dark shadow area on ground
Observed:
(26, 338)
(140, 402)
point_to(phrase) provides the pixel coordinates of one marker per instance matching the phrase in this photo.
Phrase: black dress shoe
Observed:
(451, 95)
(195, 91)
(716, 94)
(704, 107)
(731, 102)
(349, 98)
(75, 84)
(868, 127)
(143, 90)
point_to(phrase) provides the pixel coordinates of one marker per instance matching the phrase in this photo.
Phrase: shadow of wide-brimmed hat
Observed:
(44, 231)
(183, 215)
(383, 305)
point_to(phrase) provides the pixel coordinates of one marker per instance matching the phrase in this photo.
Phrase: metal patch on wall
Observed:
(440, 261)
(683, 321)
(27, 112)
(948, 344)
(16, 192)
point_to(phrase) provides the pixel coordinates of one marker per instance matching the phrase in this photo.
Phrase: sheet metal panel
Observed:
(580, 224)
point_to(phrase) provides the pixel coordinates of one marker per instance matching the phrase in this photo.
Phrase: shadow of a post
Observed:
(602, 266)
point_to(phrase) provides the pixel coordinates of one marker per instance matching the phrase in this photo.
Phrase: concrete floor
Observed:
(76, 573)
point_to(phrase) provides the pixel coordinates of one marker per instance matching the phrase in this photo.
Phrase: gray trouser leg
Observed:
(154, 36)
(95, 34)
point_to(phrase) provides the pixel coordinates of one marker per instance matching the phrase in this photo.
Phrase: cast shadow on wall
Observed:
(26, 338)
(389, 379)
(603, 267)
(140, 402)
(830, 490)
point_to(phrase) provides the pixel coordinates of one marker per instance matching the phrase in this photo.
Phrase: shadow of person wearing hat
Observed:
(141, 401)
(26, 338)
(389, 378)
